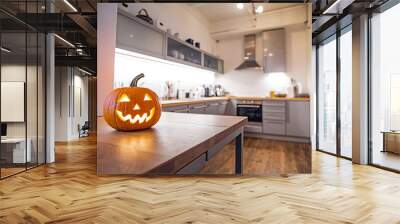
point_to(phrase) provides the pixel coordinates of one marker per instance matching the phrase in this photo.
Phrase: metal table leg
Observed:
(239, 154)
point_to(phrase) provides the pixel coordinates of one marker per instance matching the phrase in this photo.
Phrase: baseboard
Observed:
(277, 137)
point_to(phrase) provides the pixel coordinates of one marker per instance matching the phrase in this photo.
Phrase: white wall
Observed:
(106, 42)
(179, 18)
(157, 72)
(69, 82)
(253, 82)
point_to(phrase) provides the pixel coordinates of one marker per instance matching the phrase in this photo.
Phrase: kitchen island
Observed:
(178, 144)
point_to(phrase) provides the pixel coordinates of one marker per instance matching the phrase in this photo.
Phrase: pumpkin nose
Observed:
(136, 107)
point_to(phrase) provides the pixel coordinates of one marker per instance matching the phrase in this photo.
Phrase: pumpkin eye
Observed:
(147, 98)
(124, 98)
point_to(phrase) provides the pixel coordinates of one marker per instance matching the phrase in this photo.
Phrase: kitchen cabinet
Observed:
(197, 108)
(177, 109)
(274, 117)
(298, 119)
(274, 127)
(178, 50)
(212, 108)
(274, 51)
(138, 36)
(213, 63)
(222, 107)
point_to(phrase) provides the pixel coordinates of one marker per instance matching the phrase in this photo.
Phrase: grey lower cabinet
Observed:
(298, 119)
(287, 118)
(212, 108)
(198, 108)
(178, 109)
(222, 105)
(274, 117)
(274, 127)
(216, 108)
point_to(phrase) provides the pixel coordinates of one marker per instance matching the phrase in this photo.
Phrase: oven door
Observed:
(253, 112)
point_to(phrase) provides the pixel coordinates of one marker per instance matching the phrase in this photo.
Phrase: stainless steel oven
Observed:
(253, 112)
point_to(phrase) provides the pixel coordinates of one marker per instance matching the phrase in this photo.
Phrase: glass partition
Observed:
(385, 90)
(327, 96)
(13, 121)
(346, 93)
(22, 77)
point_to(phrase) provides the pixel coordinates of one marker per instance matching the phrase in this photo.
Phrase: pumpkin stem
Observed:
(135, 80)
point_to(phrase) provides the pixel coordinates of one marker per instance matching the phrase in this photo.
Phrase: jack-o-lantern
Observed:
(132, 108)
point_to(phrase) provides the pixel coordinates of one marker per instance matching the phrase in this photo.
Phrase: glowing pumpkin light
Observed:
(132, 108)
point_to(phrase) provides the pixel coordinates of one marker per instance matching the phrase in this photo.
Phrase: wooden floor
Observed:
(70, 192)
(386, 159)
(263, 157)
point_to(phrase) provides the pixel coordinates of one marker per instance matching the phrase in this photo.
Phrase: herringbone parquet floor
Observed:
(70, 192)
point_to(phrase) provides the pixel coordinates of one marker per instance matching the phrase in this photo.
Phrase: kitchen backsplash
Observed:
(158, 72)
(169, 79)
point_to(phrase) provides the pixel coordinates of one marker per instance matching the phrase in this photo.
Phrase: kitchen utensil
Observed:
(144, 15)
(175, 53)
(189, 41)
(282, 95)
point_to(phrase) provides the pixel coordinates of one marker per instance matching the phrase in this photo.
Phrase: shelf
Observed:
(136, 35)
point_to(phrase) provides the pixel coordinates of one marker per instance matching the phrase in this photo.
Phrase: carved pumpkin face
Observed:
(132, 108)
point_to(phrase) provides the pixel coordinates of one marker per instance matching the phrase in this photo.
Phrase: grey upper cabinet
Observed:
(213, 63)
(274, 51)
(298, 119)
(135, 35)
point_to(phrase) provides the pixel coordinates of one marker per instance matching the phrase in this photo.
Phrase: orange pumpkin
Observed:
(132, 108)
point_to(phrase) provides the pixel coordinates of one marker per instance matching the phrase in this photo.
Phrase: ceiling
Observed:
(215, 12)
(72, 20)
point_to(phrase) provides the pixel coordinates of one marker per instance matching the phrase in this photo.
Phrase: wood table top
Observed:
(175, 140)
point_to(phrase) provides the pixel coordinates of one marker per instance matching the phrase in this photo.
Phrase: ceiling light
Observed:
(240, 5)
(337, 7)
(259, 9)
(5, 50)
(65, 41)
(70, 5)
(84, 71)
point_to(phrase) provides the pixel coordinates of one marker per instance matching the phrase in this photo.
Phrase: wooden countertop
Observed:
(270, 98)
(184, 102)
(174, 103)
(176, 140)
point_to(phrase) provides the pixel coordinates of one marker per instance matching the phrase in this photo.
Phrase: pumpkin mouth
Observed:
(137, 118)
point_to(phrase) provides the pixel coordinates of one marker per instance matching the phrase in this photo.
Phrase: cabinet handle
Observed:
(273, 122)
(199, 107)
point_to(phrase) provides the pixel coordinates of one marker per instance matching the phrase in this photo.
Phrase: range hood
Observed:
(249, 53)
